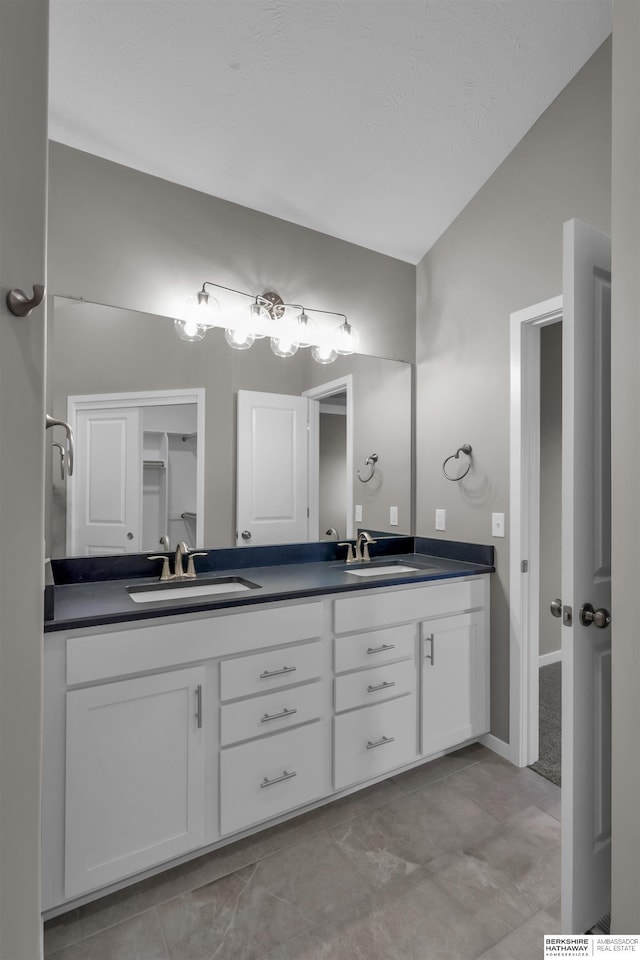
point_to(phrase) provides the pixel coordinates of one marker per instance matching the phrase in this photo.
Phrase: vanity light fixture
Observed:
(288, 325)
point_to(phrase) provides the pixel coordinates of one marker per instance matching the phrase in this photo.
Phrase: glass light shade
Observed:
(189, 330)
(240, 337)
(323, 353)
(204, 309)
(259, 321)
(307, 330)
(346, 340)
(284, 346)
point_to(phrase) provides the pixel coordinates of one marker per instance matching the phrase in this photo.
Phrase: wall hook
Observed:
(369, 462)
(19, 303)
(465, 448)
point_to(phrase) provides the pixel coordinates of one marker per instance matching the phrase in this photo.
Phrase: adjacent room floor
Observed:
(458, 859)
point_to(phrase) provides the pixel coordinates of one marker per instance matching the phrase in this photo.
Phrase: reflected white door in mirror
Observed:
(139, 478)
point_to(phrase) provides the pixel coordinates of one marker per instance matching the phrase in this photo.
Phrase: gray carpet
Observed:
(548, 764)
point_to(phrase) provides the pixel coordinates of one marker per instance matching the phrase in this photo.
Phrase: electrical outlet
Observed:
(497, 524)
(393, 516)
(358, 515)
(441, 519)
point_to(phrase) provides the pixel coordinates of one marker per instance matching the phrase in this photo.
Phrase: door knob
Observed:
(556, 608)
(246, 535)
(601, 617)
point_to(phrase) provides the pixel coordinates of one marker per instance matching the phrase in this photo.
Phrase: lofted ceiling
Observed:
(374, 121)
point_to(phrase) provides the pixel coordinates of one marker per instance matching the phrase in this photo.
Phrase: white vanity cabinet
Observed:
(169, 737)
(135, 775)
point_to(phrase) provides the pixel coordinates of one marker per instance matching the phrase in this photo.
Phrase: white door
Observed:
(106, 488)
(273, 470)
(586, 578)
(134, 776)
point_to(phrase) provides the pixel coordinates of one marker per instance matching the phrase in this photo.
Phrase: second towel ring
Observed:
(369, 462)
(465, 448)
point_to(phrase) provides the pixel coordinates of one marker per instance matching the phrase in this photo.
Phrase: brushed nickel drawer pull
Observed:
(278, 716)
(381, 686)
(276, 673)
(429, 656)
(379, 743)
(385, 646)
(285, 776)
(199, 705)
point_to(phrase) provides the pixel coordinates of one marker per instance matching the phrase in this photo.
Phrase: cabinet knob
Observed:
(246, 535)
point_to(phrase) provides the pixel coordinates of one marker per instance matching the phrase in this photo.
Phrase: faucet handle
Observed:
(365, 548)
(191, 569)
(166, 574)
(350, 554)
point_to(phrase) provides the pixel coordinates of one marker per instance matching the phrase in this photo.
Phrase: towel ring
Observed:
(465, 448)
(369, 462)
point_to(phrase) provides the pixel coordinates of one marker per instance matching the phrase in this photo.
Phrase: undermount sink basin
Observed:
(380, 568)
(189, 590)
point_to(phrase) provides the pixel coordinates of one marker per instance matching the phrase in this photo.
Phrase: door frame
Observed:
(524, 482)
(315, 395)
(142, 398)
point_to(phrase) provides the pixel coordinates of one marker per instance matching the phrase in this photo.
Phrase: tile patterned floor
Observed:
(456, 860)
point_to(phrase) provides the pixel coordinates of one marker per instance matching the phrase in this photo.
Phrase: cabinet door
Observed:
(134, 776)
(455, 680)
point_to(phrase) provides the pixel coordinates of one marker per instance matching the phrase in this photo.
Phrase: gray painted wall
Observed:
(550, 632)
(23, 120)
(502, 253)
(625, 404)
(125, 238)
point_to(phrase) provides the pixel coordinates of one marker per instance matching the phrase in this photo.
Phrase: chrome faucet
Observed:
(362, 546)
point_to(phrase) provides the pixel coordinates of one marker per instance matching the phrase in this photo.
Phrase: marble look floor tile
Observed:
(501, 788)
(442, 767)
(525, 854)
(418, 922)
(137, 939)
(552, 804)
(228, 919)
(314, 875)
(526, 942)
(400, 836)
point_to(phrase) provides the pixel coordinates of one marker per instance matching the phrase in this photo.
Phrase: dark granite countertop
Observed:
(93, 591)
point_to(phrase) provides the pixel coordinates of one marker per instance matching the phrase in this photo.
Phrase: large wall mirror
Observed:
(218, 447)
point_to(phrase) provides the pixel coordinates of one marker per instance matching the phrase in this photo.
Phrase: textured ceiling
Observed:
(371, 120)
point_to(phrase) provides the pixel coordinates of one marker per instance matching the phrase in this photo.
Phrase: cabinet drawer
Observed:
(374, 740)
(262, 672)
(377, 646)
(263, 779)
(415, 603)
(370, 686)
(269, 713)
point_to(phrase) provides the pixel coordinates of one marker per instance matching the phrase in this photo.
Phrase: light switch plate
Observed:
(358, 516)
(441, 519)
(393, 516)
(497, 524)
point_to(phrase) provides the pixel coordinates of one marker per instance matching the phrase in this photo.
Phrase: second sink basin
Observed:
(189, 589)
(380, 568)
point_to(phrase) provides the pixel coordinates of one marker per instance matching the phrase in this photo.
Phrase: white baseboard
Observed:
(501, 747)
(546, 658)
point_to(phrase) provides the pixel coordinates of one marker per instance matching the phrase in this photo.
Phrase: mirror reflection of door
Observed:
(272, 504)
(135, 486)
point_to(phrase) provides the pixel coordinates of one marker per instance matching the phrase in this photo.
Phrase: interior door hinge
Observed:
(308, 513)
(524, 566)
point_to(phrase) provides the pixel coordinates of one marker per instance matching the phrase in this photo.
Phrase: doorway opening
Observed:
(331, 459)
(536, 447)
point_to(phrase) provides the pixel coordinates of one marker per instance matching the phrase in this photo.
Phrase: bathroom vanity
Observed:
(176, 726)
